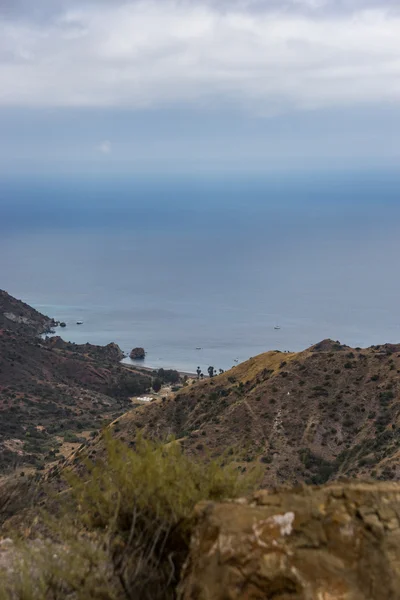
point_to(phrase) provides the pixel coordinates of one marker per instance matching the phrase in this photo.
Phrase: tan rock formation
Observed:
(339, 542)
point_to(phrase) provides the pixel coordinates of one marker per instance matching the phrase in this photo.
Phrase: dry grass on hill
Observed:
(327, 412)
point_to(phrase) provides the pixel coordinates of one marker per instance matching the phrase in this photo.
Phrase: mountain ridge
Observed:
(326, 412)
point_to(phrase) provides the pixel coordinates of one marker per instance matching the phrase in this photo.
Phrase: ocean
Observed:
(176, 264)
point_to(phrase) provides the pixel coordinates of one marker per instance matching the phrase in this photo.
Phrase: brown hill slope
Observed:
(15, 315)
(311, 416)
(53, 392)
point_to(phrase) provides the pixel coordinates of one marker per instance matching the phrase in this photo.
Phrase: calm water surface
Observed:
(176, 265)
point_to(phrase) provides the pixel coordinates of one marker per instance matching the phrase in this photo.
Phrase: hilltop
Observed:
(327, 412)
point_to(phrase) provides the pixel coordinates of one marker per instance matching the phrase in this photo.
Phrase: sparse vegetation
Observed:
(125, 528)
(168, 376)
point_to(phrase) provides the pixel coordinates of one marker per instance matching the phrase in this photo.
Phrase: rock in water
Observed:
(340, 542)
(138, 354)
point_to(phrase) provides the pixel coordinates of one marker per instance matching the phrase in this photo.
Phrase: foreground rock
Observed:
(138, 354)
(341, 542)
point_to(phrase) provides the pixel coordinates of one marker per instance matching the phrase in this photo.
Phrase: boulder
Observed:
(138, 354)
(339, 542)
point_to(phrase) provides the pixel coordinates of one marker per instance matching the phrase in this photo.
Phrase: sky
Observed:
(181, 86)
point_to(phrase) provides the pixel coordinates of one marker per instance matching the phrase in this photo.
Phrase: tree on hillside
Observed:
(157, 383)
(168, 375)
(198, 371)
(221, 371)
(211, 371)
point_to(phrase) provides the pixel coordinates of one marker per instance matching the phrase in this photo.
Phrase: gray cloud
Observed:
(47, 10)
(35, 11)
(46, 6)
(265, 56)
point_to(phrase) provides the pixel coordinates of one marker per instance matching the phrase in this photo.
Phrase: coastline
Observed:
(51, 329)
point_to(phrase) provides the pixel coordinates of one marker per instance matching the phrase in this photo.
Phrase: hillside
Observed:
(53, 394)
(312, 416)
(17, 316)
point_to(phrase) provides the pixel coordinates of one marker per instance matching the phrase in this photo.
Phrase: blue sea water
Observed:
(175, 264)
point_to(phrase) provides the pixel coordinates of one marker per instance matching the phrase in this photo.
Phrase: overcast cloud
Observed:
(264, 57)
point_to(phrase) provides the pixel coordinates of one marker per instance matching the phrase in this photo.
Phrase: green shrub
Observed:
(124, 530)
(70, 437)
(48, 570)
(386, 396)
(156, 478)
(168, 375)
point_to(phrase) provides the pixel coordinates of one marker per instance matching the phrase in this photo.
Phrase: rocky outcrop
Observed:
(17, 316)
(138, 354)
(328, 346)
(114, 351)
(111, 353)
(339, 542)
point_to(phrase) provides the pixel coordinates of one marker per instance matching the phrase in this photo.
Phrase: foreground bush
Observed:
(125, 530)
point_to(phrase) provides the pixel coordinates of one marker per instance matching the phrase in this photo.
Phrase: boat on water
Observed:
(277, 327)
(199, 348)
(79, 322)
